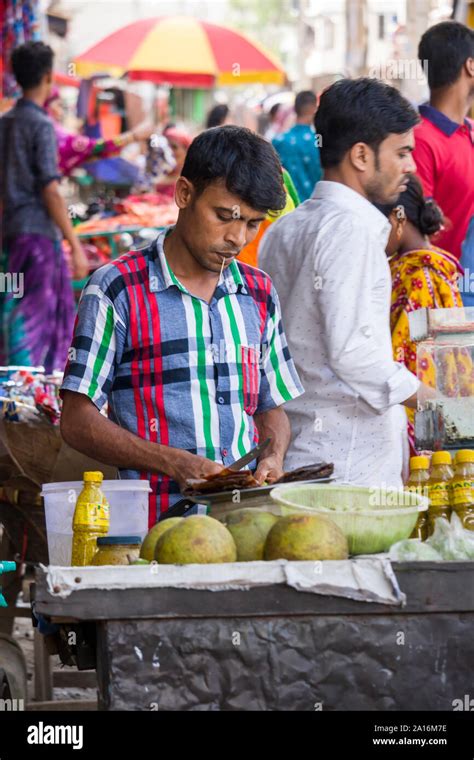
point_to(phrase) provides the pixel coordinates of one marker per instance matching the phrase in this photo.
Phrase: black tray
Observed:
(249, 493)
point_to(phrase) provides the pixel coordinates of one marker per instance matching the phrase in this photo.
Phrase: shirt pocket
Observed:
(250, 378)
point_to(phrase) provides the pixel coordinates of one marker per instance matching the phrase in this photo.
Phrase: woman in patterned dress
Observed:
(423, 276)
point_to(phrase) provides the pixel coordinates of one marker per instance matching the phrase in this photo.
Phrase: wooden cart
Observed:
(272, 647)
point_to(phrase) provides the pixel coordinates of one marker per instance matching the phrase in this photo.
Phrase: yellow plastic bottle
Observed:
(462, 488)
(441, 474)
(418, 482)
(90, 521)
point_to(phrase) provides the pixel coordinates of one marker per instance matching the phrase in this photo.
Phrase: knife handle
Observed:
(177, 510)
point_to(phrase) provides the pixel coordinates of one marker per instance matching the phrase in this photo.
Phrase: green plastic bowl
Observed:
(372, 519)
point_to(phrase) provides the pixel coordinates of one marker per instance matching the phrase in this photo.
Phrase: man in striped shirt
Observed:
(184, 342)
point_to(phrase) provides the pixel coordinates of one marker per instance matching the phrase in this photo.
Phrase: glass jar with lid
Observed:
(117, 550)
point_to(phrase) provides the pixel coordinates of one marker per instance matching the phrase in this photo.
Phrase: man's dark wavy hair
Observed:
(359, 110)
(247, 164)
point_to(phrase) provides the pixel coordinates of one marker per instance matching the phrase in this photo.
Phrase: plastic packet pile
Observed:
(27, 394)
(449, 541)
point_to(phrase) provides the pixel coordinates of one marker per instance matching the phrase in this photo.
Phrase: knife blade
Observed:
(247, 458)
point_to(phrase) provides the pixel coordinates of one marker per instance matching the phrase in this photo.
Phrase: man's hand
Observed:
(272, 424)
(269, 469)
(184, 465)
(423, 394)
(79, 261)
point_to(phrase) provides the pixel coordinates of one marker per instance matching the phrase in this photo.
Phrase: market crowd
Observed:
(360, 212)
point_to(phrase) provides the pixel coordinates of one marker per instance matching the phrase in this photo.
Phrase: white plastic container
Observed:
(128, 500)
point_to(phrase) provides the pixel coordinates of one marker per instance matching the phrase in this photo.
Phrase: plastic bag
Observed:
(451, 540)
(413, 550)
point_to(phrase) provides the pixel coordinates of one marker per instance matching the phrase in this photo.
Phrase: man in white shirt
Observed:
(328, 262)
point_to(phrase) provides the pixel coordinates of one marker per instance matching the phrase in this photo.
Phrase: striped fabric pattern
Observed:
(176, 370)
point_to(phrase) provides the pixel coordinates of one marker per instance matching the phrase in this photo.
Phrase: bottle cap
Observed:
(419, 463)
(441, 457)
(93, 477)
(464, 455)
(115, 540)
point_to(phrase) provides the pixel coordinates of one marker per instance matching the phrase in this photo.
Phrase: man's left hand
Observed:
(269, 469)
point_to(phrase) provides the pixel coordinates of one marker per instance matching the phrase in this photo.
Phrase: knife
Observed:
(246, 459)
(181, 506)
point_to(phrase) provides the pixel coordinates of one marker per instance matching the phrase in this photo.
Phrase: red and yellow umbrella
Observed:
(181, 51)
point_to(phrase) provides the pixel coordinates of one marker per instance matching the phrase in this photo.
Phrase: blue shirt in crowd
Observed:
(299, 155)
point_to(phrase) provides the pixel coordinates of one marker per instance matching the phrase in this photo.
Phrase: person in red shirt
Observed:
(444, 140)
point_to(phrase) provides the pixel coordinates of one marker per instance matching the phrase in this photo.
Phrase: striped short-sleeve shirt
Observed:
(175, 369)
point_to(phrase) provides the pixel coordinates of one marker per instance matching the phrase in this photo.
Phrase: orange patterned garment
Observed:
(428, 278)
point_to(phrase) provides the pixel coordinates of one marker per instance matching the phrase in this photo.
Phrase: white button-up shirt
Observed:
(328, 263)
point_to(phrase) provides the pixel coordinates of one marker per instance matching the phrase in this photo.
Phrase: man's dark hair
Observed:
(359, 110)
(445, 47)
(248, 165)
(30, 62)
(217, 116)
(303, 100)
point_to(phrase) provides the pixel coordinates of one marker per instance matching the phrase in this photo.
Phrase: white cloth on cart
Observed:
(366, 579)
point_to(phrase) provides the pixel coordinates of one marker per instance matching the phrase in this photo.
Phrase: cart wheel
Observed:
(13, 677)
(5, 691)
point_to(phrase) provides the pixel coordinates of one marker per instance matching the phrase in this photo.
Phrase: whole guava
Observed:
(198, 539)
